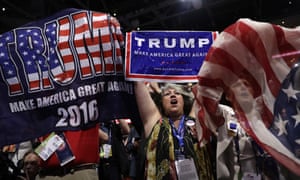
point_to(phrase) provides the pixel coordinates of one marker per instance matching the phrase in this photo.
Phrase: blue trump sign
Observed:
(166, 55)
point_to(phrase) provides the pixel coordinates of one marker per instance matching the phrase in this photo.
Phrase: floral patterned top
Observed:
(160, 153)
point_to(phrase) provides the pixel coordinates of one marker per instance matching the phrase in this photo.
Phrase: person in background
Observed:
(132, 145)
(170, 151)
(253, 161)
(15, 154)
(31, 165)
(8, 170)
(17, 151)
(113, 164)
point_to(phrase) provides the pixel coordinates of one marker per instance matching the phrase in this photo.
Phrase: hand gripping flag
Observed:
(255, 65)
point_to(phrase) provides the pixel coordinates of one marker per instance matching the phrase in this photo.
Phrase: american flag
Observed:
(72, 58)
(266, 55)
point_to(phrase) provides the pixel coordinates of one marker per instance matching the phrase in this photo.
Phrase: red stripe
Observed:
(109, 67)
(142, 76)
(105, 39)
(119, 67)
(46, 82)
(63, 76)
(15, 88)
(205, 129)
(208, 82)
(34, 85)
(202, 119)
(120, 38)
(127, 54)
(212, 107)
(64, 21)
(95, 54)
(118, 52)
(214, 35)
(64, 45)
(267, 116)
(64, 32)
(82, 28)
(79, 43)
(83, 56)
(80, 15)
(99, 24)
(68, 59)
(92, 41)
(86, 71)
(98, 68)
(107, 53)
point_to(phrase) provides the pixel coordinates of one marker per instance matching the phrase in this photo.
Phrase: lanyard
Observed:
(179, 133)
(109, 129)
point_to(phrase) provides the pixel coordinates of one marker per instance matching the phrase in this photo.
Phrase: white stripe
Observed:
(79, 36)
(96, 60)
(69, 66)
(103, 31)
(84, 63)
(80, 50)
(81, 21)
(45, 74)
(108, 60)
(65, 52)
(13, 81)
(94, 48)
(117, 44)
(64, 38)
(33, 77)
(64, 27)
(56, 71)
(99, 17)
(119, 60)
(107, 46)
